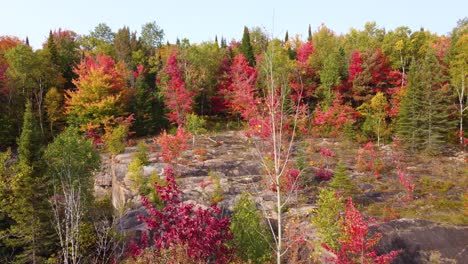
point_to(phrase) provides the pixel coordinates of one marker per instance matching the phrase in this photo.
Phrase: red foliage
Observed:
(323, 174)
(172, 146)
(241, 94)
(219, 105)
(96, 138)
(179, 99)
(326, 152)
(104, 64)
(304, 52)
(61, 38)
(408, 184)
(303, 81)
(356, 246)
(202, 231)
(139, 71)
(368, 159)
(369, 73)
(290, 182)
(355, 67)
(332, 121)
(6, 43)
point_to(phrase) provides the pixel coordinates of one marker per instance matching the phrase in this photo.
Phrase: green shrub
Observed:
(142, 153)
(327, 218)
(115, 139)
(252, 237)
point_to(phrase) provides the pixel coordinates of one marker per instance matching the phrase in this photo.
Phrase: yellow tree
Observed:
(100, 94)
(458, 73)
(375, 113)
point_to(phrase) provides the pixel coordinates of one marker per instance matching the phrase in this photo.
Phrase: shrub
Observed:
(115, 139)
(142, 153)
(251, 236)
(355, 244)
(203, 232)
(326, 217)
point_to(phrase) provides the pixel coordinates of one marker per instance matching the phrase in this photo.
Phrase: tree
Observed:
(10, 105)
(241, 93)
(53, 106)
(24, 190)
(32, 73)
(375, 115)
(327, 218)
(459, 75)
(125, 43)
(99, 41)
(142, 104)
(178, 98)
(423, 116)
(341, 181)
(152, 35)
(103, 32)
(246, 47)
(273, 130)
(251, 237)
(71, 162)
(64, 53)
(100, 94)
(309, 34)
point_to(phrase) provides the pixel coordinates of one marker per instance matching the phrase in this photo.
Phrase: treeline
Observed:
(369, 84)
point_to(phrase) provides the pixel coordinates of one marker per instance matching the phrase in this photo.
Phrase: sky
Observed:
(202, 20)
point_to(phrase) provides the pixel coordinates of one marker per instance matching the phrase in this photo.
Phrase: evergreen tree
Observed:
(142, 107)
(309, 34)
(286, 37)
(423, 117)
(52, 47)
(26, 203)
(27, 42)
(341, 181)
(246, 47)
(223, 43)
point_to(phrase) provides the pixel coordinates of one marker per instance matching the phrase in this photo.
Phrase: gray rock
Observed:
(419, 239)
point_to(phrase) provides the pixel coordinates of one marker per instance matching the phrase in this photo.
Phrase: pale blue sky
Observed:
(203, 19)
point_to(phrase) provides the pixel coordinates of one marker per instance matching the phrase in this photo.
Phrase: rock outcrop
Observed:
(424, 241)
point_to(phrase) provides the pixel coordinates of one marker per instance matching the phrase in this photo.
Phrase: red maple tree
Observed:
(241, 93)
(178, 99)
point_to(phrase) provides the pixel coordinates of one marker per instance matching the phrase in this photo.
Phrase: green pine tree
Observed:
(143, 108)
(341, 181)
(327, 218)
(246, 47)
(24, 198)
(309, 34)
(52, 48)
(423, 117)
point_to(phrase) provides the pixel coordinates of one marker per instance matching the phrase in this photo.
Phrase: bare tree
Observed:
(71, 160)
(274, 133)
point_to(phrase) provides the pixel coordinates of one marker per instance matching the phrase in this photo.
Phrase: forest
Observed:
(302, 149)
